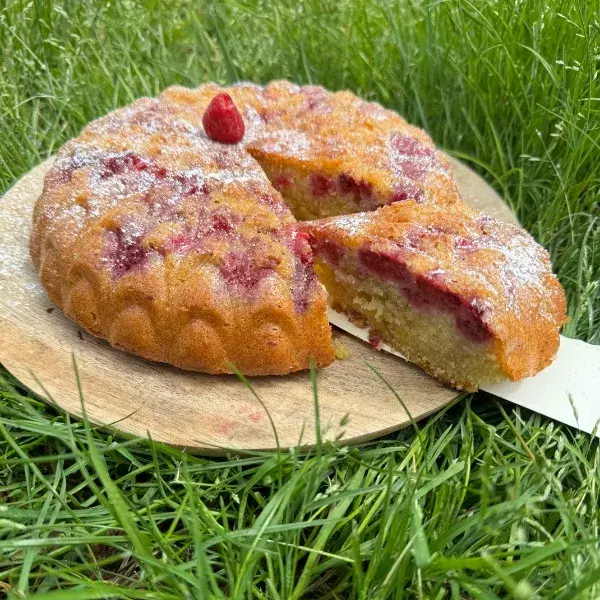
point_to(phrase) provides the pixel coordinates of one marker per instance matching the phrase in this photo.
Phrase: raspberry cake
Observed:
(169, 228)
(468, 298)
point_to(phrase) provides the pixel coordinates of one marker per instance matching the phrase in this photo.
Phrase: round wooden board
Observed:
(203, 413)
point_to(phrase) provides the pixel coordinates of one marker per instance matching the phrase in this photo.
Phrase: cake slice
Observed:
(468, 298)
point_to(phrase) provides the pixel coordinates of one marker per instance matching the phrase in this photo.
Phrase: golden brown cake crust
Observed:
(495, 269)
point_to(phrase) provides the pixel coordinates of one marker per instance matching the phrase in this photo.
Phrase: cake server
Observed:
(568, 390)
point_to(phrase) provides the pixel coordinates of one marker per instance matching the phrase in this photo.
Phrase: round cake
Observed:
(180, 248)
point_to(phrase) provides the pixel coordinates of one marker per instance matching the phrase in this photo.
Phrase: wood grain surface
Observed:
(205, 414)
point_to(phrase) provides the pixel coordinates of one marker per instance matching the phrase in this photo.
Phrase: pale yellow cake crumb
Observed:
(342, 352)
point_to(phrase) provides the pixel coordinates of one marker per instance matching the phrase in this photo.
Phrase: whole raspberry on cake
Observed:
(468, 298)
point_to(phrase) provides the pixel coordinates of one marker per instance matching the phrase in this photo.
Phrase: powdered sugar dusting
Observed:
(289, 142)
(522, 263)
(254, 125)
(354, 225)
(149, 191)
(411, 163)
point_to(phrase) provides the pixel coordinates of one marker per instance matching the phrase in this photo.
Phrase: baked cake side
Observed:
(468, 298)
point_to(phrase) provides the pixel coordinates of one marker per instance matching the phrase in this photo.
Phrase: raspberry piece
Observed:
(192, 185)
(465, 244)
(160, 172)
(179, 242)
(117, 165)
(64, 174)
(220, 223)
(374, 340)
(429, 292)
(407, 191)
(241, 270)
(412, 158)
(321, 185)
(222, 120)
(302, 248)
(123, 253)
(349, 185)
(330, 251)
(304, 276)
(282, 181)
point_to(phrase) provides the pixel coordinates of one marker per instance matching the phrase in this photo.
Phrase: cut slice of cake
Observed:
(468, 298)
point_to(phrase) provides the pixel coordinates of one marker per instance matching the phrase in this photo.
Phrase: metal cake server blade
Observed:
(568, 390)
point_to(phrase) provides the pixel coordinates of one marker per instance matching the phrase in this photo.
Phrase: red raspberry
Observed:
(374, 340)
(321, 185)
(222, 120)
(302, 248)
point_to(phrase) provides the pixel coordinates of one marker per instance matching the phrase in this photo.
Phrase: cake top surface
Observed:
(332, 132)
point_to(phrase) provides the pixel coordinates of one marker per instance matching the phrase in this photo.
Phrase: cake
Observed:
(470, 299)
(170, 227)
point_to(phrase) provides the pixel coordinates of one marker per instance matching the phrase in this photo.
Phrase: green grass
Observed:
(486, 501)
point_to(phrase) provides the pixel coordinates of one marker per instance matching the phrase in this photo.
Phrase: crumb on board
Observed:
(342, 352)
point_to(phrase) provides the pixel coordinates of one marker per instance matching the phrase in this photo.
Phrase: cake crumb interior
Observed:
(428, 338)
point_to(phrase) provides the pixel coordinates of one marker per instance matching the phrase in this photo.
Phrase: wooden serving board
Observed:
(203, 413)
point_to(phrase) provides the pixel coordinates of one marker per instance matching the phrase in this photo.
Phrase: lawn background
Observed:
(485, 500)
